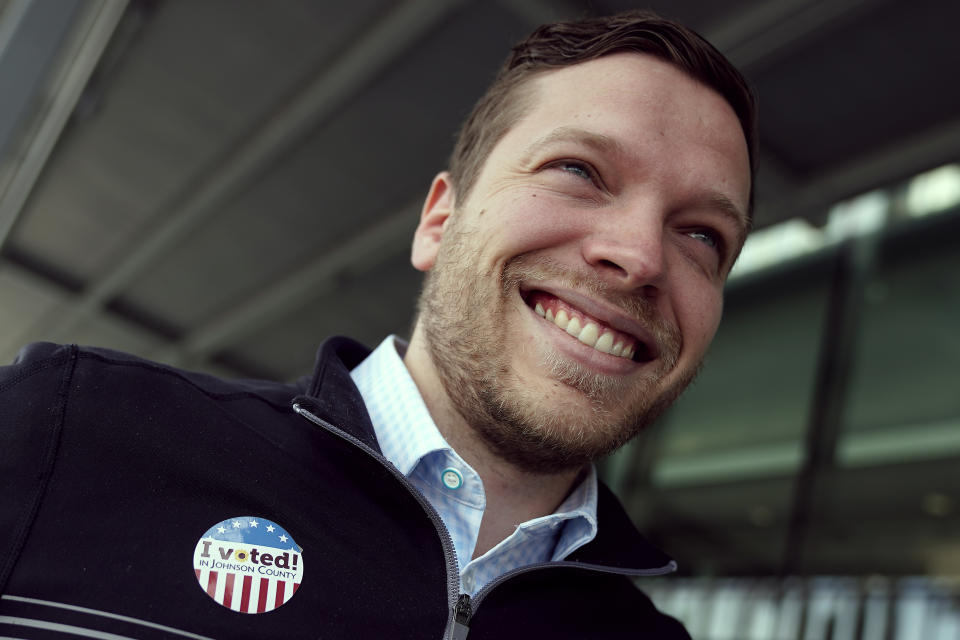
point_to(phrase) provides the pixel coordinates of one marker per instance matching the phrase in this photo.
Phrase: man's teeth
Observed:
(588, 334)
(562, 320)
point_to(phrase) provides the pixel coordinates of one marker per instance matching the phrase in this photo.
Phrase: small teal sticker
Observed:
(452, 478)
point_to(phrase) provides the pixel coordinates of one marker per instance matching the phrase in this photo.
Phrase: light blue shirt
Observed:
(410, 440)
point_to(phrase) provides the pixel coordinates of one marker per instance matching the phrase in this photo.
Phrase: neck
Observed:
(513, 495)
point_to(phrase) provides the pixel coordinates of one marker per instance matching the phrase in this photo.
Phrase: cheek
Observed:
(529, 221)
(699, 315)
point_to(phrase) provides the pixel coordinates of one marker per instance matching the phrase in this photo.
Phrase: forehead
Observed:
(644, 105)
(638, 86)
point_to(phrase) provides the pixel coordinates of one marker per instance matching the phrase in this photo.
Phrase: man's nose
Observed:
(628, 252)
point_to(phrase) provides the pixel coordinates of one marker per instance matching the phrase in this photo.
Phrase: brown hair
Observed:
(563, 44)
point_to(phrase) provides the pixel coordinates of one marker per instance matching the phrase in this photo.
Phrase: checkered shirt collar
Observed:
(407, 433)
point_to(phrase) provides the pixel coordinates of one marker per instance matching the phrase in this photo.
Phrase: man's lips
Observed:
(588, 329)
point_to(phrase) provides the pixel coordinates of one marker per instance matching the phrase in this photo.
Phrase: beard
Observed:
(538, 430)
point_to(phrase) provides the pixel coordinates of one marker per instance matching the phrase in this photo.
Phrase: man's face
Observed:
(573, 294)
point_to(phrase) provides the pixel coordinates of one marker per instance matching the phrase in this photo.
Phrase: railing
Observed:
(821, 608)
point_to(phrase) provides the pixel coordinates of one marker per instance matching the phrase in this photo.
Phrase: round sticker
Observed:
(248, 564)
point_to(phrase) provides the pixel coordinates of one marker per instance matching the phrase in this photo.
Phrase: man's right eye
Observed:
(579, 169)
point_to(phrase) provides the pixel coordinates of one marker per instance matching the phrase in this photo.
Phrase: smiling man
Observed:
(575, 282)
(575, 254)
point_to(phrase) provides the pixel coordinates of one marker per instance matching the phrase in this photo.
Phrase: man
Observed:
(575, 257)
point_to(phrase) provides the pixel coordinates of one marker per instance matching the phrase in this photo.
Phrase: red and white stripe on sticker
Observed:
(246, 594)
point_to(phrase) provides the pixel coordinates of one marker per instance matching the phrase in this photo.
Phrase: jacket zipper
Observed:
(454, 597)
(462, 608)
(460, 625)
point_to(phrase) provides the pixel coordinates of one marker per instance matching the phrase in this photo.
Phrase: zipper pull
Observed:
(461, 618)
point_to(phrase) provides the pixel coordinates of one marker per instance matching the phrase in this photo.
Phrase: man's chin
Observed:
(572, 416)
(549, 429)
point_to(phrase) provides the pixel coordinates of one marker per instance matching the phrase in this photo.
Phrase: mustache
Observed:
(527, 268)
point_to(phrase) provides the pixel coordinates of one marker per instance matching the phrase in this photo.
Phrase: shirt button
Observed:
(452, 479)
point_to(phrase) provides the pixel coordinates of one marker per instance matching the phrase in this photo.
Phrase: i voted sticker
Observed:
(248, 564)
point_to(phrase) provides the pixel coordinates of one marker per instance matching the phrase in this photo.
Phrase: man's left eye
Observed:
(709, 238)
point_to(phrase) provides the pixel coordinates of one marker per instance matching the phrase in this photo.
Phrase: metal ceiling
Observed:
(222, 184)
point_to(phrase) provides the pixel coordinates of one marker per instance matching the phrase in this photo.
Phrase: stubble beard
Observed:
(540, 432)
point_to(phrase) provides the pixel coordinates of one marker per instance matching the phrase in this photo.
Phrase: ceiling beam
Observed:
(895, 161)
(755, 37)
(24, 296)
(362, 253)
(35, 63)
(369, 55)
(537, 12)
(32, 33)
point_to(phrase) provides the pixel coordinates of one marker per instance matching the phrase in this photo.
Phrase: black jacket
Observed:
(113, 467)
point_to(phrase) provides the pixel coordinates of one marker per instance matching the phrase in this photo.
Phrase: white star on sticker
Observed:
(270, 528)
(283, 538)
(236, 524)
(221, 530)
(254, 523)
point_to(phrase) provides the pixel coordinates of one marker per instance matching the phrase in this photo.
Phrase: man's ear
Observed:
(433, 220)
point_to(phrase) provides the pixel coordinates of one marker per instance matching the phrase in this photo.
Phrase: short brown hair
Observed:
(563, 44)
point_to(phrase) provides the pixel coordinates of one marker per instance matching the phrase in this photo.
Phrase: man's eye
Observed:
(707, 237)
(577, 168)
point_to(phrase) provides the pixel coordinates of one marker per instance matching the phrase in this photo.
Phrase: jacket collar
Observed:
(618, 544)
(332, 396)
(331, 393)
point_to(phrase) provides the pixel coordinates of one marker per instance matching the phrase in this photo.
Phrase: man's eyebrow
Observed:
(577, 135)
(725, 206)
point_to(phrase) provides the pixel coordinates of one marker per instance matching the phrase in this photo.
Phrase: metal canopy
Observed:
(222, 151)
